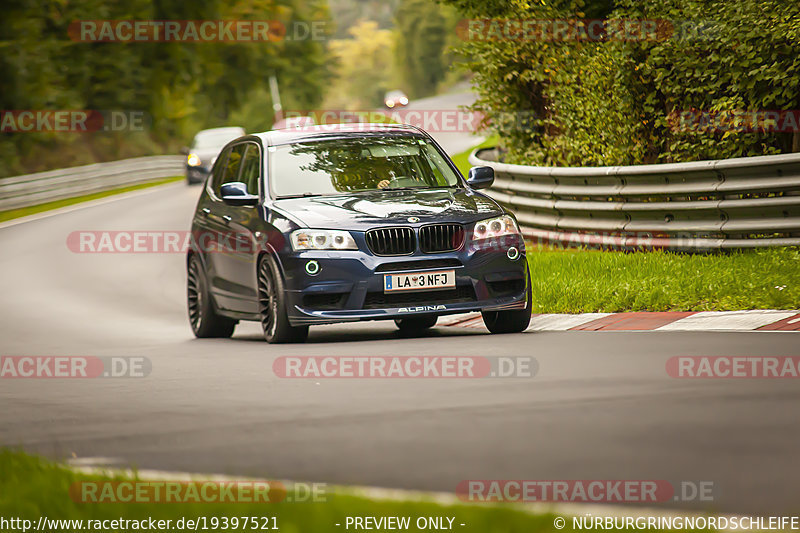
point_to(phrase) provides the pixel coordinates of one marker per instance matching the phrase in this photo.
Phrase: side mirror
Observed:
(480, 177)
(184, 151)
(235, 193)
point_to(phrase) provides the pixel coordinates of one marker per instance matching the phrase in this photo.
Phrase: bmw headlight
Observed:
(495, 227)
(322, 239)
(193, 160)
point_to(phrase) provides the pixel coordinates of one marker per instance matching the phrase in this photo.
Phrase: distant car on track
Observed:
(394, 99)
(350, 222)
(204, 150)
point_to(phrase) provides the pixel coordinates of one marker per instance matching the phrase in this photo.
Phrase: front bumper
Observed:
(349, 284)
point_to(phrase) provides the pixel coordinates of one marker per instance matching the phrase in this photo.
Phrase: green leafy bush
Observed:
(616, 101)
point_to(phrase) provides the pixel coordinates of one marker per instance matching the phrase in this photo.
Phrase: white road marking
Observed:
(450, 320)
(702, 321)
(727, 320)
(562, 322)
(93, 461)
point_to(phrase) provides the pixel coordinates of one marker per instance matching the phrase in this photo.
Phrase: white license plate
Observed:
(416, 281)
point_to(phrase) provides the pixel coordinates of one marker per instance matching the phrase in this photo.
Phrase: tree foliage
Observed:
(180, 86)
(615, 101)
(364, 69)
(348, 13)
(421, 29)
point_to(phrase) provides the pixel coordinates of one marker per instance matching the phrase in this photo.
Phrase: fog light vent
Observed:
(312, 267)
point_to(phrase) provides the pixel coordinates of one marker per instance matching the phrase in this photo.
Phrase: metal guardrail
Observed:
(732, 203)
(42, 187)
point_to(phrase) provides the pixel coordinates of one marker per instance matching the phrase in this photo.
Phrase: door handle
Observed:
(226, 218)
(206, 211)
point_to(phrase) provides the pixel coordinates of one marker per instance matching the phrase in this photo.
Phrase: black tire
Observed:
(272, 306)
(203, 318)
(416, 325)
(512, 321)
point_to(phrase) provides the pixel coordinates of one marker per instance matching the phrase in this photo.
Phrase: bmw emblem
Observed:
(413, 219)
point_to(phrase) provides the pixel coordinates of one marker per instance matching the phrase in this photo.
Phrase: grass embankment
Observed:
(461, 160)
(580, 281)
(31, 487)
(32, 210)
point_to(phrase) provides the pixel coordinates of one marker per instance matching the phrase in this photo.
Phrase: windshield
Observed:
(358, 164)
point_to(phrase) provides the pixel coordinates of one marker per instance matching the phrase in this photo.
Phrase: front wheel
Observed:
(272, 306)
(512, 321)
(205, 321)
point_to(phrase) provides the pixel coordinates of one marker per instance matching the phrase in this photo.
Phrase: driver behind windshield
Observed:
(358, 164)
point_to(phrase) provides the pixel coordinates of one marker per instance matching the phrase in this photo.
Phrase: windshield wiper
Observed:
(304, 195)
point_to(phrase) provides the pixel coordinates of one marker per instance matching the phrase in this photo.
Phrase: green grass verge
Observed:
(31, 487)
(461, 160)
(579, 281)
(32, 210)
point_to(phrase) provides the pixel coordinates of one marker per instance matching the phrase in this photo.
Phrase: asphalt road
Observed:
(601, 406)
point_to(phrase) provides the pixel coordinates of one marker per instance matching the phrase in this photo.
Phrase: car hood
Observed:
(365, 210)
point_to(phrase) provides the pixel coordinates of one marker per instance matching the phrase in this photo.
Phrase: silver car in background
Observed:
(205, 148)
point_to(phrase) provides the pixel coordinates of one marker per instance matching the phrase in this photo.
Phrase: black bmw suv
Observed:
(350, 222)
